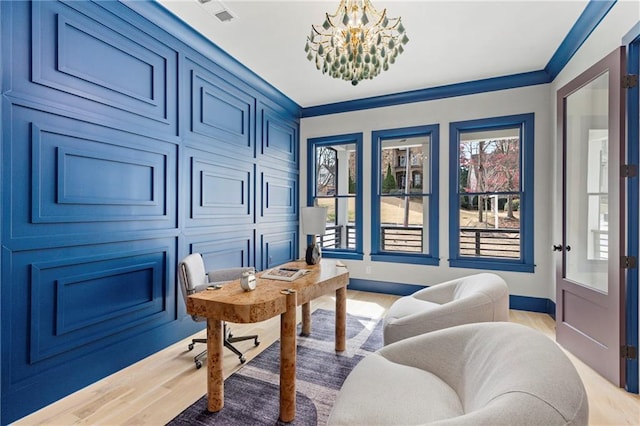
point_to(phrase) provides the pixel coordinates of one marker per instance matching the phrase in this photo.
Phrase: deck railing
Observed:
(473, 241)
(333, 237)
(490, 242)
(402, 238)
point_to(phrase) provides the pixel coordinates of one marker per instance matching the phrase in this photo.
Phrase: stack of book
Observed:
(284, 274)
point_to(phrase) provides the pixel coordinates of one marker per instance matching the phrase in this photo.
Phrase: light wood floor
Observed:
(156, 389)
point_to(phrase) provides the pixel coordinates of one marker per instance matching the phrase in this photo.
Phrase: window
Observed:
(404, 213)
(597, 209)
(491, 193)
(334, 170)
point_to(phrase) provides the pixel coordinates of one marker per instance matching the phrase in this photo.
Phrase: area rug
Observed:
(251, 395)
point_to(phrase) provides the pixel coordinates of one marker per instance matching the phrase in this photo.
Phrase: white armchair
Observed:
(475, 298)
(479, 374)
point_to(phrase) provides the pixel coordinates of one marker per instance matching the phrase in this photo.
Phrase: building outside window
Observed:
(334, 167)
(491, 193)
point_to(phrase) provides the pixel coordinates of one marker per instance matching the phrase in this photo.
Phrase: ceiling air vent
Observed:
(224, 15)
(218, 9)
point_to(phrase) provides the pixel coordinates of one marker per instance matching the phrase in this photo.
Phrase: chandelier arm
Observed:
(394, 26)
(368, 5)
(329, 19)
(381, 17)
(320, 33)
(341, 6)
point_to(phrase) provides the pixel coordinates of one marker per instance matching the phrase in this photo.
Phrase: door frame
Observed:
(632, 42)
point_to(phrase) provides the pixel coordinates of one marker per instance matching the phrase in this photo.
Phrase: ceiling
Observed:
(450, 41)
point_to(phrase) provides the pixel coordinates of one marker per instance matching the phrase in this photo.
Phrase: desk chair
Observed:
(193, 279)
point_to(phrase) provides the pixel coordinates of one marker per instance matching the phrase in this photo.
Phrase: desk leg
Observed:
(306, 319)
(288, 360)
(341, 319)
(215, 381)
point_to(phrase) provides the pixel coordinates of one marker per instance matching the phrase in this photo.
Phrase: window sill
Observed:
(405, 258)
(350, 255)
(497, 265)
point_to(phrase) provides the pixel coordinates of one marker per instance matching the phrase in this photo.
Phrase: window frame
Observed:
(377, 138)
(350, 138)
(526, 123)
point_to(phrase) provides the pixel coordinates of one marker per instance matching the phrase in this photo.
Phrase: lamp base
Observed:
(313, 254)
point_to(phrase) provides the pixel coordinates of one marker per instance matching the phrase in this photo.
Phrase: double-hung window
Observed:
(491, 193)
(334, 165)
(404, 211)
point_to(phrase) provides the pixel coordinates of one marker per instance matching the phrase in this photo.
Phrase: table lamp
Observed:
(313, 222)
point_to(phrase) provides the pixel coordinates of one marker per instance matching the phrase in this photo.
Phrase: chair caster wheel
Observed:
(256, 342)
(242, 360)
(190, 346)
(198, 365)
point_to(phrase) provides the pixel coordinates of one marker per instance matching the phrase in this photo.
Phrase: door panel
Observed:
(589, 280)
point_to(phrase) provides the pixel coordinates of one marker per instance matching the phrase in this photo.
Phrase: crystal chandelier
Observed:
(356, 42)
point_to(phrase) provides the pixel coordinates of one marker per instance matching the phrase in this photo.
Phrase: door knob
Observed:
(568, 248)
(557, 247)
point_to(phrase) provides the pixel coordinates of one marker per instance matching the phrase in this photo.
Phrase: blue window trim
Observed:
(377, 136)
(350, 138)
(526, 124)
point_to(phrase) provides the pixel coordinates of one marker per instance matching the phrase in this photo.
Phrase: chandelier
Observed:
(356, 42)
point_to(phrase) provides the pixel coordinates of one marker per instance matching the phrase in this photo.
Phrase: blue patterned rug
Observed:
(251, 395)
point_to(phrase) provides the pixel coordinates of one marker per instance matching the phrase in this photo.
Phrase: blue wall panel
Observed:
(225, 249)
(66, 304)
(124, 150)
(220, 111)
(94, 297)
(278, 195)
(278, 246)
(79, 175)
(221, 189)
(94, 63)
(278, 135)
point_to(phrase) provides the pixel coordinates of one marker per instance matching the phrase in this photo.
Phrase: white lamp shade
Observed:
(313, 220)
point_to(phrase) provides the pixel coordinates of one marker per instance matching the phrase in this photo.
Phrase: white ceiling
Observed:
(450, 42)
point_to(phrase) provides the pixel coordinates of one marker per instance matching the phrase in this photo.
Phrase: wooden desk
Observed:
(270, 298)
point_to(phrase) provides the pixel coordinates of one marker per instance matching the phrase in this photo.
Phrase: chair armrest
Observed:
(463, 311)
(438, 293)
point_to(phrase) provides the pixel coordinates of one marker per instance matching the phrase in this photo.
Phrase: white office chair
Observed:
(194, 279)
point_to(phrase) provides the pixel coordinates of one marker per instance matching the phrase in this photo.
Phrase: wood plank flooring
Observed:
(154, 390)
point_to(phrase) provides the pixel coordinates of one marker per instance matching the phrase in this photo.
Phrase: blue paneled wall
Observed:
(123, 150)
